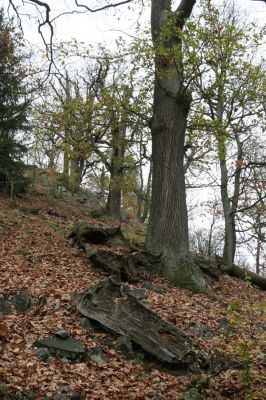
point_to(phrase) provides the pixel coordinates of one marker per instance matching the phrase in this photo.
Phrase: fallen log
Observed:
(115, 307)
(248, 276)
(216, 267)
(125, 264)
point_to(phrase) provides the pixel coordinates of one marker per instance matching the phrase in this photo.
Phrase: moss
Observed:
(186, 275)
(190, 285)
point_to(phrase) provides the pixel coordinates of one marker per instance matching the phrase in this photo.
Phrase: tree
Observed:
(13, 105)
(231, 87)
(168, 223)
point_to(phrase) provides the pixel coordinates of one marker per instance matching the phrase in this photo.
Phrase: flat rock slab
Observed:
(69, 348)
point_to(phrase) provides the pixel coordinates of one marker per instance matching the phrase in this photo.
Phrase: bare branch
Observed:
(92, 10)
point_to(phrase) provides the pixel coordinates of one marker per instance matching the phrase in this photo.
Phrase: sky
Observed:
(108, 25)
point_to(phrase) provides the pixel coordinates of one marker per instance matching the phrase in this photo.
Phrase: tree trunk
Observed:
(146, 206)
(229, 217)
(102, 184)
(76, 169)
(168, 223)
(258, 246)
(117, 166)
(113, 206)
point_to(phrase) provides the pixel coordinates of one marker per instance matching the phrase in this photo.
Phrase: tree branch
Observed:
(184, 10)
(92, 10)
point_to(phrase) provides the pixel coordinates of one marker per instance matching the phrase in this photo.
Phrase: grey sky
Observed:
(105, 26)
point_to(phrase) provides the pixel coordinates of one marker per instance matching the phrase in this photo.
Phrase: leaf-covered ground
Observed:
(35, 254)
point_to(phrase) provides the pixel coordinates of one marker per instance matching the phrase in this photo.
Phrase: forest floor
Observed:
(36, 254)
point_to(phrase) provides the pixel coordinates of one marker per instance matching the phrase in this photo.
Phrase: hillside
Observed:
(36, 255)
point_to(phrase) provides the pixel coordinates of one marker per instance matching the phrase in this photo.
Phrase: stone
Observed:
(191, 394)
(96, 355)
(89, 324)
(154, 288)
(42, 353)
(34, 210)
(57, 305)
(62, 334)
(72, 349)
(201, 330)
(22, 301)
(4, 307)
(224, 322)
(90, 251)
(124, 344)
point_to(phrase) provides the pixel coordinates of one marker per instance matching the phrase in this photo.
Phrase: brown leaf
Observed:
(3, 330)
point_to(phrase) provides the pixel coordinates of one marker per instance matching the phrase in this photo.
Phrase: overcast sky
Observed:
(106, 26)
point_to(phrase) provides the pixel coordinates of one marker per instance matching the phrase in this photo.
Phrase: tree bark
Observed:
(168, 223)
(113, 206)
(229, 217)
(117, 166)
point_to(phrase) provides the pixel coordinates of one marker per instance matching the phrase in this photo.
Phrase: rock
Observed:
(124, 344)
(89, 324)
(29, 256)
(4, 307)
(62, 334)
(66, 392)
(224, 363)
(90, 251)
(224, 322)
(261, 325)
(57, 304)
(96, 355)
(201, 330)
(154, 288)
(34, 210)
(72, 349)
(42, 353)
(22, 301)
(191, 394)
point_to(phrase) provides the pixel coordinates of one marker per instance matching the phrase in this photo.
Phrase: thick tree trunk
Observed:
(113, 206)
(168, 224)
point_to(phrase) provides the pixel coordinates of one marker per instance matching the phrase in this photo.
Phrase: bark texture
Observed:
(116, 307)
(168, 224)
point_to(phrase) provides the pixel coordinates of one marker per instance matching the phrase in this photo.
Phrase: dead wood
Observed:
(82, 233)
(115, 307)
(216, 267)
(125, 263)
(250, 276)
